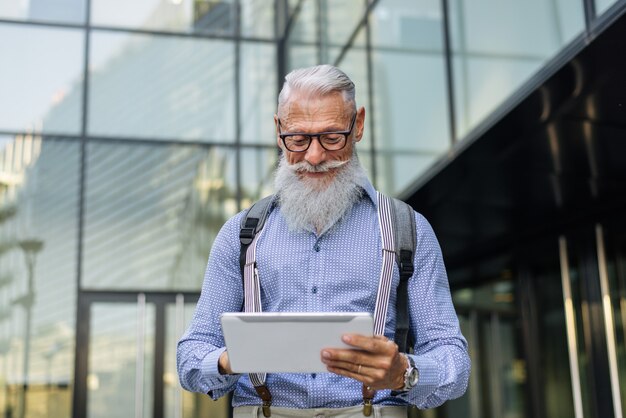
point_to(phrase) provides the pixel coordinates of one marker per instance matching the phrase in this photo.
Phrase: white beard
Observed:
(315, 205)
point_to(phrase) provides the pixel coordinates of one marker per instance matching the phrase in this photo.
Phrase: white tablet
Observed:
(289, 342)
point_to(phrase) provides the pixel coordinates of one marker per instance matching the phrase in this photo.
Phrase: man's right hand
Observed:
(223, 364)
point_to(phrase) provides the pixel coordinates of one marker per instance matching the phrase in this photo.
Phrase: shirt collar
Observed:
(369, 189)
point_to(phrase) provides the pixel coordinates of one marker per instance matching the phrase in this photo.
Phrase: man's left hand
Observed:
(375, 361)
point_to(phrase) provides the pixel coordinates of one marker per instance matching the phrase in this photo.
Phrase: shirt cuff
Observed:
(428, 379)
(428, 370)
(211, 373)
(210, 367)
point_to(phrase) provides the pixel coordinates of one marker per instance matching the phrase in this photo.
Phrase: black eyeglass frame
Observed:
(310, 137)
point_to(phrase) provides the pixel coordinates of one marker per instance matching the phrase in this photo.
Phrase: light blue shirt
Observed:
(337, 271)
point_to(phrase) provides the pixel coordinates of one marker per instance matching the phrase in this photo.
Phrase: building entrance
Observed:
(126, 360)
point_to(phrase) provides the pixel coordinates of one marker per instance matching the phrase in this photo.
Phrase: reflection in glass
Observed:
(410, 102)
(304, 26)
(41, 79)
(392, 168)
(354, 64)
(410, 91)
(551, 327)
(258, 93)
(159, 87)
(581, 318)
(496, 296)
(511, 45)
(257, 18)
(489, 322)
(113, 343)
(339, 18)
(462, 407)
(615, 247)
(58, 11)
(193, 404)
(152, 213)
(409, 26)
(603, 5)
(301, 56)
(206, 16)
(257, 173)
(38, 230)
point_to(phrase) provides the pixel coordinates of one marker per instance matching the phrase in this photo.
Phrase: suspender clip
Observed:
(368, 397)
(265, 395)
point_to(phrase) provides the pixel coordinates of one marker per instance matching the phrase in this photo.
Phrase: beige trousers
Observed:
(351, 412)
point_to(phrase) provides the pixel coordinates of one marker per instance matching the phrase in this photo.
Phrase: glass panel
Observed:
(60, 11)
(339, 19)
(354, 64)
(497, 47)
(511, 368)
(38, 231)
(35, 100)
(582, 318)
(161, 87)
(304, 26)
(551, 329)
(498, 380)
(257, 173)
(113, 346)
(496, 296)
(462, 407)
(603, 5)
(410, 106)
(257, 18)
(152, 213)
(301, 56)
(411, 112)
(258, 93)
(392, 169)
(409, 26)
(193, 404)
(367, 161)
(215, 17)
(615, 247)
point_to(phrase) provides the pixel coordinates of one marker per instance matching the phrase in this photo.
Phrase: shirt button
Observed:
(314, 289)
(313, 375)
(317, 248)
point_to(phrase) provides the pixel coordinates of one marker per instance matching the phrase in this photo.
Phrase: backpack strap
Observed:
(251, 225)
(405, 243)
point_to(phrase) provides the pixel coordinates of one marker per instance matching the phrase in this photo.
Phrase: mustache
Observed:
(320, 168)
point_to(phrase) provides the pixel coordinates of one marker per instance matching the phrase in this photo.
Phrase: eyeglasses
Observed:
(330, 141)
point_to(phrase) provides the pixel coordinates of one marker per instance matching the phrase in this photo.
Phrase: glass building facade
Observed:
(131, 131)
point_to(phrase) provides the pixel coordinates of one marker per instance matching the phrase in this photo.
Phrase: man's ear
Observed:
(278, 141)
(359, 124)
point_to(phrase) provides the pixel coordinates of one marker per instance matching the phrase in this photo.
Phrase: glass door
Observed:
(128, 361)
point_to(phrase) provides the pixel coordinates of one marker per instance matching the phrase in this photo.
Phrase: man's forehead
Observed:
(315, 106)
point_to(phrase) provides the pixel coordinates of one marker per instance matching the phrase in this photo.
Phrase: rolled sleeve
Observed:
(220, 384)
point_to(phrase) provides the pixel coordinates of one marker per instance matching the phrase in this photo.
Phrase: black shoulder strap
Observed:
(405, 241)
(251, 224)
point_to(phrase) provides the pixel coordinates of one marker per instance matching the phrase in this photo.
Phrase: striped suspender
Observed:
(385, 223)
(252, 295)
(252, 303)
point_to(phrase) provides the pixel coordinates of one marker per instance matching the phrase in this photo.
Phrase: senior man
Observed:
(320, 251)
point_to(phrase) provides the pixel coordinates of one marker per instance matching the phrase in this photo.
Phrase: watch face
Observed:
(413, 377)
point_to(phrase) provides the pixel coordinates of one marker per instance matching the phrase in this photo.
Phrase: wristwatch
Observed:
(411, 375)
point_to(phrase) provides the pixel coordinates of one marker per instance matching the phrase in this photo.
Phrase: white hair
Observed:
(319, 80)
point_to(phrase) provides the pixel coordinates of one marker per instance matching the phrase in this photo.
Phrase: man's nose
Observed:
(316, 153)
